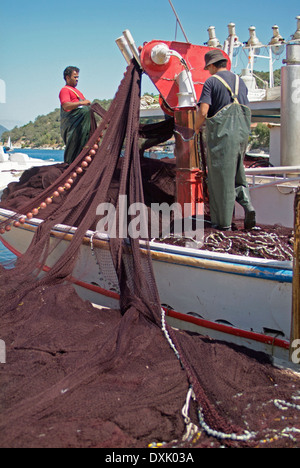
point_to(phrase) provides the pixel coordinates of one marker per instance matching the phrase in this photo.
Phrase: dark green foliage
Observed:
(260, 136)
(265, 77)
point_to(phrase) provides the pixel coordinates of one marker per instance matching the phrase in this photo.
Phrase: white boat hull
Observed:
(233, 298)
(13, 165)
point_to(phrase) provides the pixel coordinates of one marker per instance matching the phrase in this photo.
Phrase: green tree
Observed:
(260, 137)
(265, 76)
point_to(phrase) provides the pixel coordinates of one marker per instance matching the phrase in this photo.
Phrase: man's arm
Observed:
(201, 116)
(69, 106)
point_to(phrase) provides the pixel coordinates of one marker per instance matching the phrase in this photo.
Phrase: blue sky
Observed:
(38, 39)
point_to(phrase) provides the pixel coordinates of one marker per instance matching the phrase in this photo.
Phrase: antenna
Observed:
(178, 21)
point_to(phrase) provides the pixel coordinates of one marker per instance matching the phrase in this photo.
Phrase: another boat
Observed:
(8, 147)
(13, 164)
(233, 298)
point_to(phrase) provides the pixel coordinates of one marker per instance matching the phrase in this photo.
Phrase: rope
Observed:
(287, 431)
(267, 245)
(192, 429)
(221, 435)
(185, 139)
(164, 329)
(284, 405)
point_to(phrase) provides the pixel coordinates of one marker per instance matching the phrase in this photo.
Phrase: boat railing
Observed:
(268, 176)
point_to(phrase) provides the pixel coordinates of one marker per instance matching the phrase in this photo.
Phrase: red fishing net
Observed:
(80, 376)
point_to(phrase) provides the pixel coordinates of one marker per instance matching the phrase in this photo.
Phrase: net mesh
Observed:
(80, 376)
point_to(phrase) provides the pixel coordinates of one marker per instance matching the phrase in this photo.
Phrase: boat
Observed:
(234, 298)
(14, 163)
(8, 147)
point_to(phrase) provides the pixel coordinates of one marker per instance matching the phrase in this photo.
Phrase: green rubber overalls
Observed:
(227, 135)
(75, 131)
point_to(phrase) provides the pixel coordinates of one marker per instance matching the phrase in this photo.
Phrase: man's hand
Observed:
(69, 106)
(86, 102)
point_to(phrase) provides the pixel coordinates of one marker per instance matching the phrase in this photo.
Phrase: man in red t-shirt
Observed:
(75, 115)
(71, 98)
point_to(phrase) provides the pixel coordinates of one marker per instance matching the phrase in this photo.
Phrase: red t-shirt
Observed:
(70, 94)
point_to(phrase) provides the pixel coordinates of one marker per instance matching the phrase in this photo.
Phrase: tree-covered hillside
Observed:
(44, 131)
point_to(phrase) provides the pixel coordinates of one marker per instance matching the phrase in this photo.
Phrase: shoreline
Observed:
(48, 148)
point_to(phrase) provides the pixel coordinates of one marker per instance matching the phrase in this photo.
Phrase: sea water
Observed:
(7, 259)
(58, 155)
(44, 154)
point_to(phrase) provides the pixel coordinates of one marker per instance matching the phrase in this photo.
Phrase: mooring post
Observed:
(295, 326)
(189, 183)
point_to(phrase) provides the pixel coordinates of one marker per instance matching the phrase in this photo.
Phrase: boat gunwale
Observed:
(250, 266)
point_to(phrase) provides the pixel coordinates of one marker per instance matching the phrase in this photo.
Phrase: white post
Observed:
(290, 107)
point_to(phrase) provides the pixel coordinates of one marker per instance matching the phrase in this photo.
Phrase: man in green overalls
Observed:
(224, 108)
(75, 115)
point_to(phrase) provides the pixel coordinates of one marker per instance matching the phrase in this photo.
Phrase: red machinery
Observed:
(177, 71)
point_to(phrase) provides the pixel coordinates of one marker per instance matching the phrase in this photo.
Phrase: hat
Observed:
(213, 56)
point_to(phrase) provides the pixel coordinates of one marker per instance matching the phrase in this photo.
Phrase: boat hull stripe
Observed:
(177, 315)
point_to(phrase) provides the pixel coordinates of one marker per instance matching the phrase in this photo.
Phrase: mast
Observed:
(178, 21)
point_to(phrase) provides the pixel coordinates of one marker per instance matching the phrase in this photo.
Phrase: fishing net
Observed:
(80, 376)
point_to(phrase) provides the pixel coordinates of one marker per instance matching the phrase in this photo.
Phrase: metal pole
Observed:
(131, 44)
(178, 20)
(290, 108)
(295, 327)
(123, 46)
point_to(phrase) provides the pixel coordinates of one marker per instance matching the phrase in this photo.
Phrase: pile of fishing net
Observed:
(267, 242)
(80, 376)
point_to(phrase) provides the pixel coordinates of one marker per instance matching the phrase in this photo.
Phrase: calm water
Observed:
(46, 155)
(7, 259)
(58, 155)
